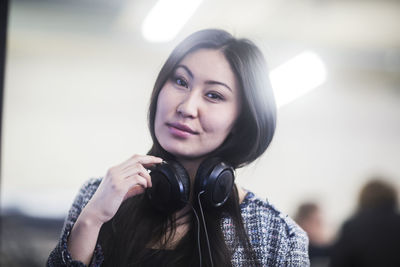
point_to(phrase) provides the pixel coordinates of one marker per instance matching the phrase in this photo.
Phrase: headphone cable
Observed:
(205, 228)
(198, 233)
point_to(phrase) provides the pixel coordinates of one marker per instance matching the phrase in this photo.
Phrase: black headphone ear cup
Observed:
(171, 187)
(182, 174)
(214, 179)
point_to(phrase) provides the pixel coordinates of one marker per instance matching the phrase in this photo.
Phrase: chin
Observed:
(182, 152)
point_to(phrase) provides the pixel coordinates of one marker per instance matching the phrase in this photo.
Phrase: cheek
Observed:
(219, 122)
(162, 104)
(160, 110)
(221, 125)
(167, 98)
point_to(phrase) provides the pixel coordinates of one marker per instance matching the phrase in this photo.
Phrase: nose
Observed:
(189, 106)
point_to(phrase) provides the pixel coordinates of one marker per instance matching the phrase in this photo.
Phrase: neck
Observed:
(191, 166)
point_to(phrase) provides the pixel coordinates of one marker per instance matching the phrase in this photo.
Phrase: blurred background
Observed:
(79, 75)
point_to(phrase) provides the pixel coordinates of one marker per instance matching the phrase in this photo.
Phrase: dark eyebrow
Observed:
(215, 82)
(207, 82)
(185, 68)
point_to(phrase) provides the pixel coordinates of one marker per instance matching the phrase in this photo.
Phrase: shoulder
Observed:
(257, 212)
(274, 236)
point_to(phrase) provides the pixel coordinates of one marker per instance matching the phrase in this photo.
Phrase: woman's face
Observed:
(198, 105)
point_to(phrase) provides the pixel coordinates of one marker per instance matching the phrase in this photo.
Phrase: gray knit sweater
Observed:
(276, 239)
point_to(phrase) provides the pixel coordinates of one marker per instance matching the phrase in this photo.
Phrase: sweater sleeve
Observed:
(60, 255)
(297, 245)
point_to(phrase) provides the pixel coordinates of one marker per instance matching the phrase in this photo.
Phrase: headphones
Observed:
(171, 184)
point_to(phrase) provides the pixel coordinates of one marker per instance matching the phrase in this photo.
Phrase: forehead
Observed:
(210, 64)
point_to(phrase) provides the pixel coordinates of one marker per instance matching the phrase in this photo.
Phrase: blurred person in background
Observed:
(372, 236)
(310, 217)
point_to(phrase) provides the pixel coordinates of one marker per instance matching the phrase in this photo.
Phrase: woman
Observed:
(212, 110)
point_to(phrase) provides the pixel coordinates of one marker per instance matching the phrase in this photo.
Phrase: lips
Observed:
(182, 127)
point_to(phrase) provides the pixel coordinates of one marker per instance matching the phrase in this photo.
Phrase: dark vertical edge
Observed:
(3, 42)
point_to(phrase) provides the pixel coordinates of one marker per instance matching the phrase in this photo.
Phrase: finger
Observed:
(137, 169)
(136, 185)
(146, 176)
(134, 180)
(148, 165)
(134, 168)
(148, 161)
(145, 160)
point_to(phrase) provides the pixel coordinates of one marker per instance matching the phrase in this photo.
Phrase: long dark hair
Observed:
(255, 126)
(136, 225)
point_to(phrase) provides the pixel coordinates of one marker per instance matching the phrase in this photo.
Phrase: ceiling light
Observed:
(297, 77)
(167, 18)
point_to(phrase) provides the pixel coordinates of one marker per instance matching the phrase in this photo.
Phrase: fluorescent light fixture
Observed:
(167, 18)
(297, 77)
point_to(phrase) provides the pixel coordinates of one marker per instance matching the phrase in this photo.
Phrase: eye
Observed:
(180, 81)
(214, 96)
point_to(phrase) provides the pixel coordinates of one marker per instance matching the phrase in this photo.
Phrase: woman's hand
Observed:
(123, 181)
